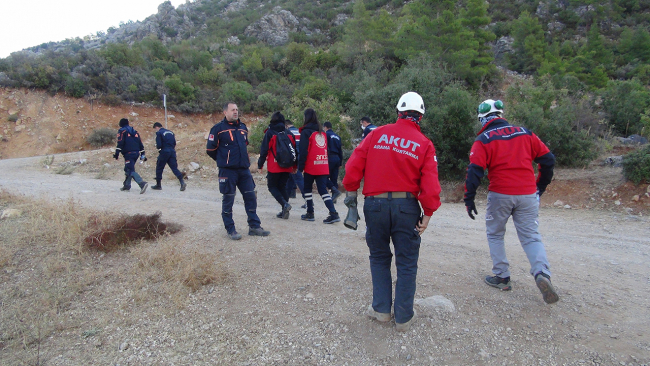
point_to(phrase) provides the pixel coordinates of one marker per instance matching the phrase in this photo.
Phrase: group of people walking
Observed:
(398, 166)
(129, 144)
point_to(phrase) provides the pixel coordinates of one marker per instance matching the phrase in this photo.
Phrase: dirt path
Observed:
(297, 297)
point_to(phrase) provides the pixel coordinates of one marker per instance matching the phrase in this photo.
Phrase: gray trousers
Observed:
(524, 211)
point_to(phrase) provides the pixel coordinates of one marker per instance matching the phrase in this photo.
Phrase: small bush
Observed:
(13, 118)
(112, 234)
(65, 169)
(636, 166)
(101, 137)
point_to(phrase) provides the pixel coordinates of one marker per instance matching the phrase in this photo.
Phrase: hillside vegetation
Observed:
(572, 71)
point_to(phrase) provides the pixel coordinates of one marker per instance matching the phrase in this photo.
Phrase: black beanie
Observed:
(124, 122)
(157, 124)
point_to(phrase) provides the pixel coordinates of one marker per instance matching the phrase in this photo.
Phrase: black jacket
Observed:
(128, 140)
(227, 144)
(165, 140)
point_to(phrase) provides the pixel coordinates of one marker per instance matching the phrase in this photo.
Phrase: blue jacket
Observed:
(367, 130)
(334, 150)
(128, 140)
(227, 145)
(165, 140)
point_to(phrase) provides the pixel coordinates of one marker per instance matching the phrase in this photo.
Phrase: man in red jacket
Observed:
(508, 153)
(400, 171)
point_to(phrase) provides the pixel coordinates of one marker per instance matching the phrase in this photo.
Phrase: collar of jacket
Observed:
(233, 124)
(492, 124)
(407, 123)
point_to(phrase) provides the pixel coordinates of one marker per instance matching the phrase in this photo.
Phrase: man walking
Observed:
(166, 145)
(334, 158)
(130, 146)
(226, 145)
(508, 153)
(400, 171)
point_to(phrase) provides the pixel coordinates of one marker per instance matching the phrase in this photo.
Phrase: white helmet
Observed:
(411, 101)
(490, 106)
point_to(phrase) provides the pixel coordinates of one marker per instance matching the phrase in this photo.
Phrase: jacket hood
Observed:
(277, 126)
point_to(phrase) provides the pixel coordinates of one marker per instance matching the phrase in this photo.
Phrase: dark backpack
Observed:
(285, 153)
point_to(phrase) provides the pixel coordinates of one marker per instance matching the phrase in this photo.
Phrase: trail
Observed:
(297, 297)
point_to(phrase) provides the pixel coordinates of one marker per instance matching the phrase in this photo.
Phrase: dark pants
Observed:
(321, 185)
(229, 181)
(167, 157)
(130, 158)
(333, 179)
(394, 219)
(277, 183)
(296, 180)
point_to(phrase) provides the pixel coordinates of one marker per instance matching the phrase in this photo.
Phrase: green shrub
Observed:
(101, 137)
(13, 118)
(636, 165)
(554, 117)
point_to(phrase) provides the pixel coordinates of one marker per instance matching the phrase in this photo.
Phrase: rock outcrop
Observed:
(274, 28)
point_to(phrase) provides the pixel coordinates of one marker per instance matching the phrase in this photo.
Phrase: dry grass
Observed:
(47, 271)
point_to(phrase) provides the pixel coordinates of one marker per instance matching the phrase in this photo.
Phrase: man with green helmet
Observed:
(508, 153)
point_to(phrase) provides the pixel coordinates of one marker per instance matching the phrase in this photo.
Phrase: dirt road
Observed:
(297, 297)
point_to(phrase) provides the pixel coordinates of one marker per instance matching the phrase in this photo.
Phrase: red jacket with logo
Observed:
(396, 158)
(312, 154)
(508, 153)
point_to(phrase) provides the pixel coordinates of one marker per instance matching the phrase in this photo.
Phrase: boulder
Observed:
(614, 160)
(192, 167)
(274, 28)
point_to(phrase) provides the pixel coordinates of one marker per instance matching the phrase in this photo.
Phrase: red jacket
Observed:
(508, 152)
(396, 158)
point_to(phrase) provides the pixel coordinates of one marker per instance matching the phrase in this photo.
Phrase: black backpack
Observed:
(285, 153)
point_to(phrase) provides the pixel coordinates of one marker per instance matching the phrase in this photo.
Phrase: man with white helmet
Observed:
(508, 153)
(400, 172)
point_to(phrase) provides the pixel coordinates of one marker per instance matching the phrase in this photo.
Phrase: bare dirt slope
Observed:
(297, 297)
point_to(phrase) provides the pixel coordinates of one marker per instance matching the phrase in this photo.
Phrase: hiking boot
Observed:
(156, 188)
(404, 327)
(234, 235)
(143, 187)
(335, 194)
(258, 231)
(280, 214)
(285, 211)
(309, 216)
(304, 206)
(544, 285)
(380, 317)
(183, 186)
(502, 284)
(125, 189)
(332, 218)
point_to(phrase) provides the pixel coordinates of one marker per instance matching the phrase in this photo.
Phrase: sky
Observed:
(28, 23)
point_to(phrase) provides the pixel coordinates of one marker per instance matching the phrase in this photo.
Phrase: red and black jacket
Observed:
(508, 153)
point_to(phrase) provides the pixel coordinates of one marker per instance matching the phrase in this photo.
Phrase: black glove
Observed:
(116, 155)
(471, 207)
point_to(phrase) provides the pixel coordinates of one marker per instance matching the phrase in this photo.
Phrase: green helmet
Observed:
(490, 106)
